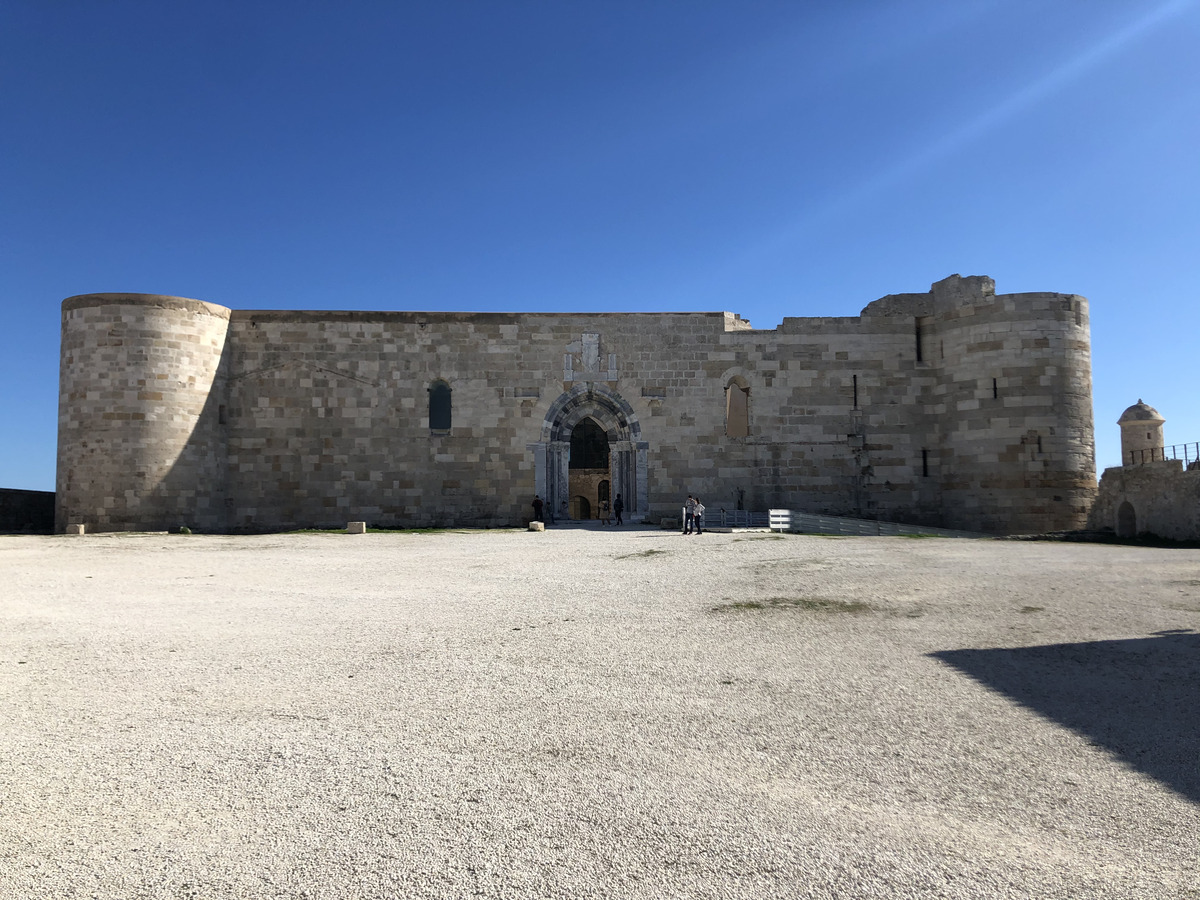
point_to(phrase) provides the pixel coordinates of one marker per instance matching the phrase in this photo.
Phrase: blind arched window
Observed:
(737, 408)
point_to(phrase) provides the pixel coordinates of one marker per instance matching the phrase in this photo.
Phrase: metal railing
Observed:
(1188, 453)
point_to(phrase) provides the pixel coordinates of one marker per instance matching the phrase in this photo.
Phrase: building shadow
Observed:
(1139, 699)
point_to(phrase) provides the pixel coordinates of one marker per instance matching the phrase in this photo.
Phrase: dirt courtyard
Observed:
(597, 713)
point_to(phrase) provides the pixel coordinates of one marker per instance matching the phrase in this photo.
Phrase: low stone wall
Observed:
(26, 512)
(1158, 498)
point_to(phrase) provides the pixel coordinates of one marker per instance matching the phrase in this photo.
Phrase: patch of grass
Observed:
(650, 552)
(761, 537)
(1190, 582)
(1032, 609)
(810, 604)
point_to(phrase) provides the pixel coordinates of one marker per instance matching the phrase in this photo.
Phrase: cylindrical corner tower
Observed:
(140, 413)
(1141, 434)
(1015, 400)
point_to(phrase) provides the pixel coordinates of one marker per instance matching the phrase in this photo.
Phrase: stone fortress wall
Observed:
(1148, 494)
(957, 407)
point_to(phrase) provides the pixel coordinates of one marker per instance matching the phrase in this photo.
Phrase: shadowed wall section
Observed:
(26, 512)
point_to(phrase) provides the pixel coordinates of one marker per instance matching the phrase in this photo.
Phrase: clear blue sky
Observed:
(770, 159)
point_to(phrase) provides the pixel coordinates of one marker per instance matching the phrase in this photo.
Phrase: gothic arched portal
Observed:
(610, 415)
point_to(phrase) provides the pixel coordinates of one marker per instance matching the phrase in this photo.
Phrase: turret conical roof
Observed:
(1140, 412)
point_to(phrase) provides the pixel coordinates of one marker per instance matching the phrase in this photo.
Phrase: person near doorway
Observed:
(605, 515)
(689, 512)
(537, 508)
(698, 516)
(618, 509)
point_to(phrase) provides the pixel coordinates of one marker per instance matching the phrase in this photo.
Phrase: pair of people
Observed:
(693, 515)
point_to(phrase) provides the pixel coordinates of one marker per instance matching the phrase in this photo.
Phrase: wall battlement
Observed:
(958, 407)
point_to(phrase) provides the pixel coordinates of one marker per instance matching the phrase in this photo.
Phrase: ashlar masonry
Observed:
(956, 407)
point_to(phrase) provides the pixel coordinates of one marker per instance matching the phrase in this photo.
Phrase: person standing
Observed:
(605, 517)
(698, 516)
(618, 508)
(689, 511)
(537, 508)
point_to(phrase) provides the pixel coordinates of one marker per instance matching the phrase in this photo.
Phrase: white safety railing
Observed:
(739, 518)
(809, 523)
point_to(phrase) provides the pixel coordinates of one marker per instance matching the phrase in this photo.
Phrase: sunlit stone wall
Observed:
(955, 407)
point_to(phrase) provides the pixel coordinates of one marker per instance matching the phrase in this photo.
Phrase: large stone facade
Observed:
(956, 407)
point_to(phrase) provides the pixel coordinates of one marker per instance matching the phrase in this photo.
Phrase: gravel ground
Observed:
(616, 713)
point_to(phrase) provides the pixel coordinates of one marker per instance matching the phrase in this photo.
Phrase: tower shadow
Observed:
(1139, 699)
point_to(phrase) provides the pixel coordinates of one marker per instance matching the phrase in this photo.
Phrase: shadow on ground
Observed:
(1139, 699)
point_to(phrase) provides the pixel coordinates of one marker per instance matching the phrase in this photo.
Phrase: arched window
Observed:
(439, 406)
(589, 445)
(737, 407)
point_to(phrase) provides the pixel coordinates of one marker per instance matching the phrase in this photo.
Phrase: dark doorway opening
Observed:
(589, 468)
(1126, 521)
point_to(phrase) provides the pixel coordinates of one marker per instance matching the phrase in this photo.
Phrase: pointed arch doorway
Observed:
(588, 468)
(603, 417)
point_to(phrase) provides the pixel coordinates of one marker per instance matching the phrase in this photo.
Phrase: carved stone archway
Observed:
(552, 454)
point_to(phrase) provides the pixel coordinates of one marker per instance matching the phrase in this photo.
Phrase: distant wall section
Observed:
(1158, 498)
(26, 512)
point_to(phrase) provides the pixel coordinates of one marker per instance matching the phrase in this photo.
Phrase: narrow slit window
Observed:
(995, 390)
(439, 406)
(856, 392)
(924, 463)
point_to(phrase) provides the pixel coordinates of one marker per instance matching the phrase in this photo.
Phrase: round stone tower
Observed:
(1141, 434)
(1011, 424)
(141, 413)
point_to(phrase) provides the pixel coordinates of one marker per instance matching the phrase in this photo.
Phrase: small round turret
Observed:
(1141, 434)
